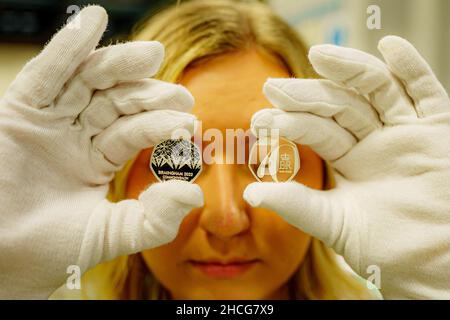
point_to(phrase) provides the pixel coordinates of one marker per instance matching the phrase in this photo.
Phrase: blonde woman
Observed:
(225, 237)
(223, 52)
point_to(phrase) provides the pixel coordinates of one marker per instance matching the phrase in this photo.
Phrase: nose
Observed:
(225, 213)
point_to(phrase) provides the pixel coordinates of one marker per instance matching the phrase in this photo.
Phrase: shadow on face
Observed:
(228, 250)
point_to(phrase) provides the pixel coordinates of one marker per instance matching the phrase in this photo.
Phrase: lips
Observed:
(218, 269)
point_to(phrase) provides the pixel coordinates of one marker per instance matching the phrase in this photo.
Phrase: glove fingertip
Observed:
(262, 119)
(389, 41)
(96, 10)
(186, 97)
(252, 195)
(180, 191)
(95, 17)
(194, 194)
(320, 51)
(157, 53)
(200, 198)
(272, 83)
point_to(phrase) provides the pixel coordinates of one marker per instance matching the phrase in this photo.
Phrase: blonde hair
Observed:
(192, 32)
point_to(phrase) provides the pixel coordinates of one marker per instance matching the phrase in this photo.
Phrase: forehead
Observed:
(228, 89)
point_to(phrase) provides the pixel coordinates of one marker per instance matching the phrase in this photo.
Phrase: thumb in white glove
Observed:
(71, 118)
(389, 143)
(131, 226)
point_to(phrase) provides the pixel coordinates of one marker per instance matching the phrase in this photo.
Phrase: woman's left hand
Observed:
(385, 130)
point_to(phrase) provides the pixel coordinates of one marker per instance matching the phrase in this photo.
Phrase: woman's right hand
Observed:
(71, 118)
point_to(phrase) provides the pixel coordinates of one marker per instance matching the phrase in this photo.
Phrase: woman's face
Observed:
(228, 250)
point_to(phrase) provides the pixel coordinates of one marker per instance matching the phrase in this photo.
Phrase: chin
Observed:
(225, 290)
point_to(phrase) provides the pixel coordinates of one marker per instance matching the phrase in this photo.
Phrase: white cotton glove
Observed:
(71, 118)
(385, 129)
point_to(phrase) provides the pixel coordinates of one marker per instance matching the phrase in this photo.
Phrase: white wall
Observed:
(426, 23)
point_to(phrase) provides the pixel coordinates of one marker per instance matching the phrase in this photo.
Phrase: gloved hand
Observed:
(385, 129)
(71, 118)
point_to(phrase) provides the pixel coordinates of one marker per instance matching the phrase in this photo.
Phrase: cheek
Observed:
(162, 262)
(283, 245)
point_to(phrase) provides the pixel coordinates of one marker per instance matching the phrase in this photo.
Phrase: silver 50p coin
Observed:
(176, 159)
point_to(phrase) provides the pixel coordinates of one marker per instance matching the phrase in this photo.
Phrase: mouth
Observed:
(224, 270)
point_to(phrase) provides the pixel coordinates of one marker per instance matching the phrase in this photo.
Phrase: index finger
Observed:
(43, 77)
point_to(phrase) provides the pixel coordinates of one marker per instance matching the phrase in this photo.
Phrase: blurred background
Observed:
(26, 25)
